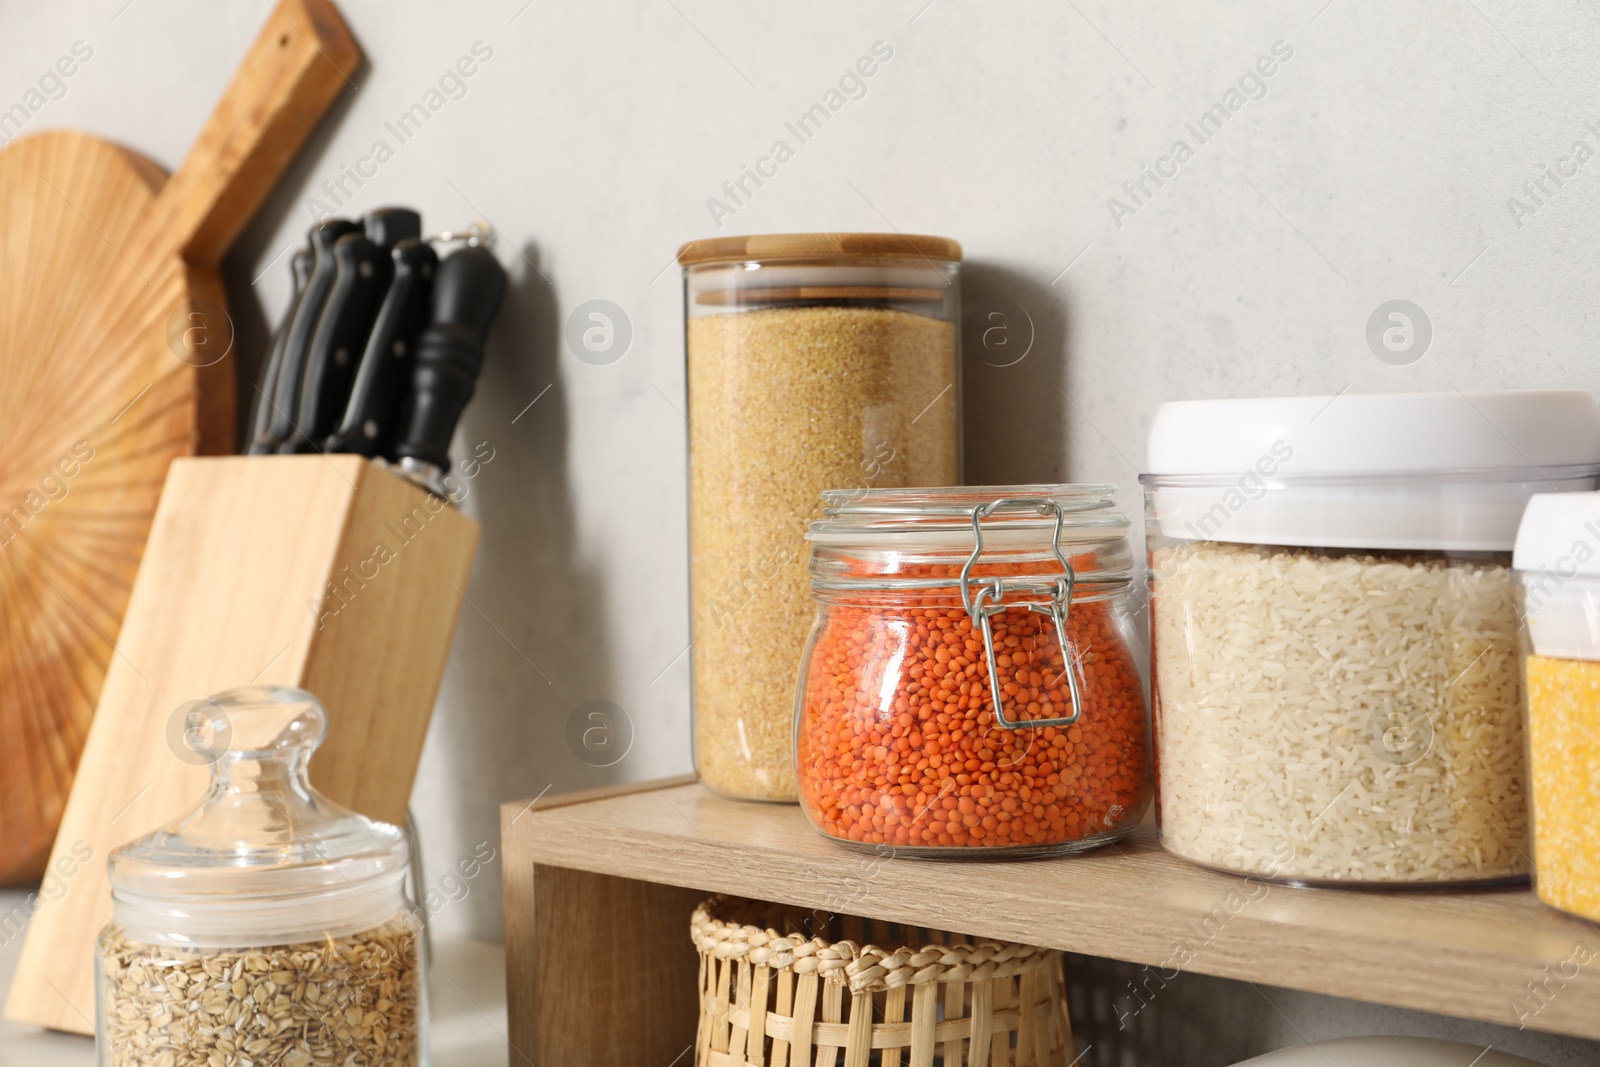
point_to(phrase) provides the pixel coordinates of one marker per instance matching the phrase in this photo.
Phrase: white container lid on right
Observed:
(1408, 471)
(1557, 561)
(1387, 1052)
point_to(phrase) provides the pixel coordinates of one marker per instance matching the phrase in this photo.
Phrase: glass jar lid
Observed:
(263, 858)
(818, 247)
(1012, 516)
(909, 272)
(946, 537)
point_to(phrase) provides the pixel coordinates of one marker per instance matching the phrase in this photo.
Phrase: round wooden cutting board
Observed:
(76, 489)
(115, 358)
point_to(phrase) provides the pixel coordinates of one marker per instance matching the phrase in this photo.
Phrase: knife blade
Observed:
(300, 271)
(361, 275)
(467, 289)
(371, 418)
(291, 364)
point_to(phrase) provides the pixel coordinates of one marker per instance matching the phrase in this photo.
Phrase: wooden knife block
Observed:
(323, 572)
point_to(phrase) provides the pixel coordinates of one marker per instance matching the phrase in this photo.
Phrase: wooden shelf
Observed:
(1467, 954)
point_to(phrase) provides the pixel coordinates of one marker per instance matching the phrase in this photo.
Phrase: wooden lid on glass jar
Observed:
(819, 246)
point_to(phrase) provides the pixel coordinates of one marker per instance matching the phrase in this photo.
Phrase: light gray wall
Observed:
(1377, 166)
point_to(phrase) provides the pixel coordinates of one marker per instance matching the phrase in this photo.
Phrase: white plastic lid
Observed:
(1355, 433)
(1557, 560)
(1418, 471)
(1387, 1052)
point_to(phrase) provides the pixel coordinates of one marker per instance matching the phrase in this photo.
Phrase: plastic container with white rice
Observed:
(1335, 632)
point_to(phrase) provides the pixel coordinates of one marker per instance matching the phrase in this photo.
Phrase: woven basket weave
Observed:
(877, 993)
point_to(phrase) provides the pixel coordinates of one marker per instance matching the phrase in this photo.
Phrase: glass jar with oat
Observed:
(815, 361)
(268, 925)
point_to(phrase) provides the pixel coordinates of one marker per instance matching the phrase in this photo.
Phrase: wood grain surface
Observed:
(323, 572)
(1467, 954)
(115, 358)
(599, 970)
(76, 490)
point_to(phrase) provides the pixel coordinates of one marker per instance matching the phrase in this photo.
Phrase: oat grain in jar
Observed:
(268, 925)
(971, 685)
(815, 361)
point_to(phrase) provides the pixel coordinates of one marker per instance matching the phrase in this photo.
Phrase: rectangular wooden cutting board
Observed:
(323, 572)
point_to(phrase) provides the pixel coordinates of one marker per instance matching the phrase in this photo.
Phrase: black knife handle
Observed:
(467, 290)
(388, 226)
(361, 276)
(372, 417)
(300, 271)
(292, 366)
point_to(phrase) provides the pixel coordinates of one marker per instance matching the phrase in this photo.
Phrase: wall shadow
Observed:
(521, 666)
(1014, 375)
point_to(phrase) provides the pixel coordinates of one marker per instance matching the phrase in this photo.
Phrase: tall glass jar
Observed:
(971, 685)
(268, 925)
(815, 361)
(1334, 629)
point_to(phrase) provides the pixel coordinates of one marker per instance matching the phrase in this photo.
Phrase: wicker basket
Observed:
(880, 993)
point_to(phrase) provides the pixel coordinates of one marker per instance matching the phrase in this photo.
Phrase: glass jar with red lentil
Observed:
(930, 604)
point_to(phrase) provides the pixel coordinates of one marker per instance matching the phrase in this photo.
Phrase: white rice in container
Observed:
(1362, 709)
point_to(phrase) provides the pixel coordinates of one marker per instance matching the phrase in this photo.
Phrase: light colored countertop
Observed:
(467, 985)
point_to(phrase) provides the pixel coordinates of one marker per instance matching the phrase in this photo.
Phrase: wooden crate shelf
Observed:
(599, 888)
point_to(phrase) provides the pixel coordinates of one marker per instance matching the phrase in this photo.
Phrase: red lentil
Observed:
(897, 742)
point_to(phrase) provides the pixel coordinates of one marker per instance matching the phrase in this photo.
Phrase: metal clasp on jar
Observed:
(984, 598)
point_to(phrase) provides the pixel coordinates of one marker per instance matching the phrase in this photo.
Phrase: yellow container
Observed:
(1564, 756)
(1558, 568)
